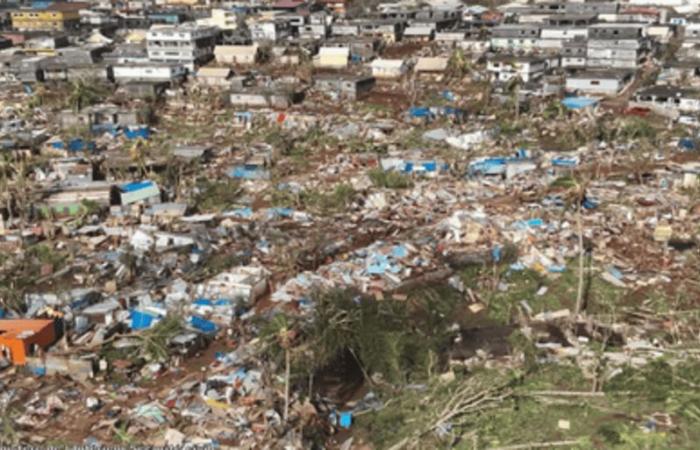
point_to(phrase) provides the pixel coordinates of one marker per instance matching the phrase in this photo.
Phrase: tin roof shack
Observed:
(125, 54)
(17, 67)
(677, 72)
(362, 49)
(146, 91)
(243, 283)
(419, 32)
(103, 118)
(279, 96)
(669, 100)
(270, 30)
(44, 45)
(214, 77)
(151, 72)
(350, 87)
(389, 68)
(138, 192)
(389, 30)
(237, 54)
(503, 68)
(332, 58)
(69, 199)
(607, 82)
(431, 67)
(20, 338)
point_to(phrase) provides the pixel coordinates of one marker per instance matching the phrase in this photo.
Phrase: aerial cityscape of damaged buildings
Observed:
(350, 224)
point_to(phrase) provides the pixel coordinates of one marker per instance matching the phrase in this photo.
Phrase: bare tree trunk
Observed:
(579, 226)
(286, 384)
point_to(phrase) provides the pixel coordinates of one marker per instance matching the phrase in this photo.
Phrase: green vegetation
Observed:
(314, 200)
(217, 195)
(391, 340)
(390, 179)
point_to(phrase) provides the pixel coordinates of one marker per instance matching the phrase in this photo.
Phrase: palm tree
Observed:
(458, 66)
(283, 334)
(83, 93)
(576, 192)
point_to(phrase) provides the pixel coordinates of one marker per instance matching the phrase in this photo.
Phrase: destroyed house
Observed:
(101, 118)
(274, 97)
(389, 68)
(344, 86)
(669, 98)
(214, 76)
(388, 30)
(20, 338)
(361, 48)
(69, 199)
(431, 66)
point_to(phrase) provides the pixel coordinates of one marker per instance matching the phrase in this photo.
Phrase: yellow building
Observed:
(57, 16)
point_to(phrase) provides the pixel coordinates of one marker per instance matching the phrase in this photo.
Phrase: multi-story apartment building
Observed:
(188, 44)
(58, 16)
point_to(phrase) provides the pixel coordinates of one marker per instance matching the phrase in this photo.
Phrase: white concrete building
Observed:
(606, 82)
(149, 72)
(504, 68)
(189, 44)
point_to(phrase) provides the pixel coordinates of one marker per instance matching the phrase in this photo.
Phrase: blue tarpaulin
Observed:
(249, 172)
(79, 145)
(141, 320)
(273, 213)
(135, 186)
(565, 161)
(345, 420)
(686, 144)
(526, 224)
(420, 112)
(578, 102)
(488, 166)
(142, 132)
(203, 325)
